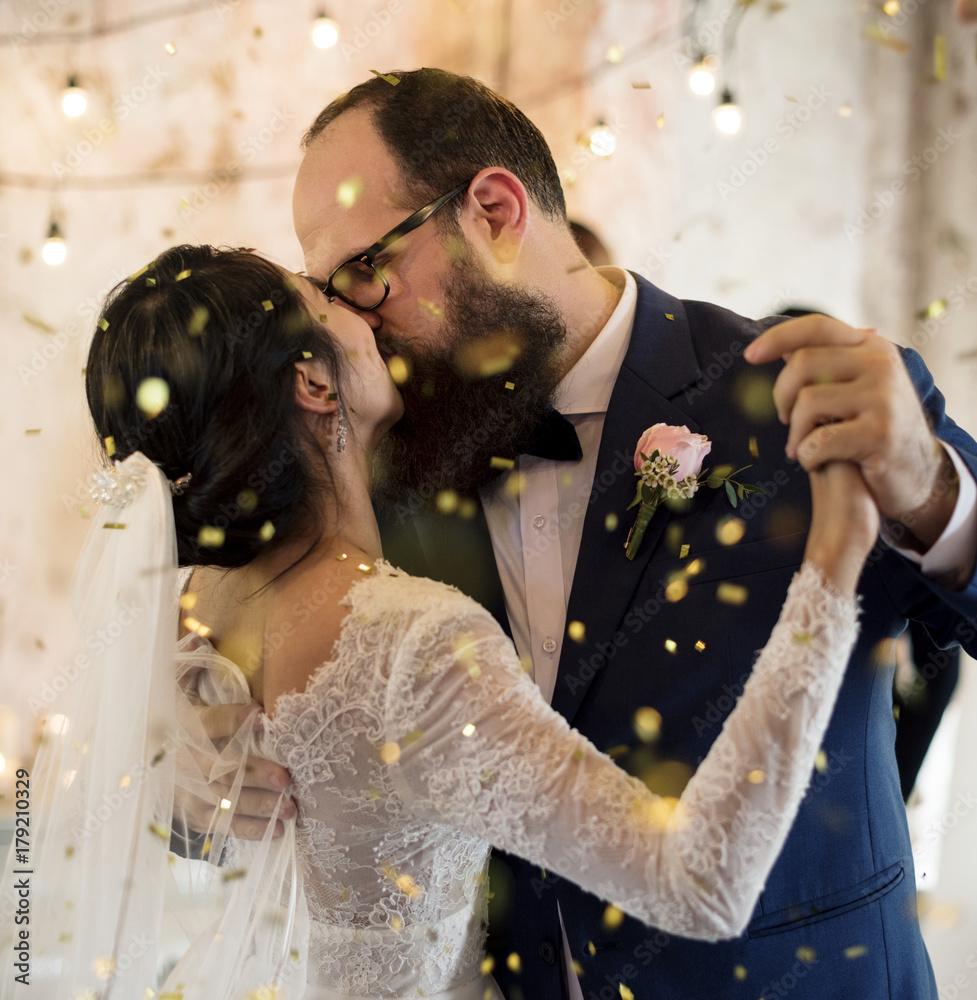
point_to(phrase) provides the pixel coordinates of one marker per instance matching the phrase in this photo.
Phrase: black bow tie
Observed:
(555, 438)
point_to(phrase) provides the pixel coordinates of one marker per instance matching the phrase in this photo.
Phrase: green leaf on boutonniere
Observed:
(730, 492)
(719, 475)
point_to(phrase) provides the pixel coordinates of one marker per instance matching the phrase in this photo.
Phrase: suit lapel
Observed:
(659, 362)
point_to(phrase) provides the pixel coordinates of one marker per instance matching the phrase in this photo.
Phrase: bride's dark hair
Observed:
(223, 329)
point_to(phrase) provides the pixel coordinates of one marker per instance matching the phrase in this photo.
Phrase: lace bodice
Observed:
(422, 743)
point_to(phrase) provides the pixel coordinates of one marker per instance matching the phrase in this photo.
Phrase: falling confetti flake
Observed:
(874, 33)
(613, 918)
(939, 58)
(611, 522)
(170, 48)
(671, 645)
(856, 951)
(514, 962)
(731, 593)
(730, 530)
(807, 955)
(661, 121)
(267, 532)
(399, 369)
(152, 397)
(349, 191)
(389, 77)
(648, 723)
(390, 753)
(501, 463)
(640, 85)
(210, 537)
(740, 972)
(577, 631)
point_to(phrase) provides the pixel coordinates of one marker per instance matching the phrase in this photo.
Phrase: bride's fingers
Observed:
(246, 828)
(220, 722)
(253, 802)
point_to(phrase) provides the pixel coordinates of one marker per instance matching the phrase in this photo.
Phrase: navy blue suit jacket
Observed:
(836, 918)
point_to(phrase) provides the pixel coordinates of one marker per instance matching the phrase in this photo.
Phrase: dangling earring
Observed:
(341, 438)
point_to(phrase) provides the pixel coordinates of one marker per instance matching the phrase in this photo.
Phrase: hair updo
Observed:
(223, 329)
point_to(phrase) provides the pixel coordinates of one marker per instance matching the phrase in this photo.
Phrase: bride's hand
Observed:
(844, 523)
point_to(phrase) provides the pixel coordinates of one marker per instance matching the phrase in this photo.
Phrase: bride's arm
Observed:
(482, 751)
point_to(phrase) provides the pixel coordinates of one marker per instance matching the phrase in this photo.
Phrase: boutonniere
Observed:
(668, 464)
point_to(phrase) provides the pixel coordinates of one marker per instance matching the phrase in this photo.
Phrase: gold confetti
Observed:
(307, 355)
(661, 121)
(210, 536)
(613, 918)
(447, 502)
(577, 969)
(188, 600)
(115, 525)
(468, 730)
(152, 397)
(487, 965)
(364, 568)
(158, 830)
(501, 463)
(183, 274)
(267, 305)
(247, 500)
(349, 191)
(467, 508)
(490, 355)
(234, 874)
(802, 638)
(267, 531)
(39, 323)
(103, 323)
(684, 551)
(104, 966)
(396, 923)
(699, 645)
(69, 851)
(157, 757)
(136, 274)
(510, 385)
(614, 54)
(110, 446)
(730, 530)
(640, 85)
(845, 110)
(933, 311)
(514, 962)
(648, 723)
(33, 430)
(626, 994)
(807, 955)
(695, 567)
(389, 77)
(515, 482)
(676, 590)
(756, 777)
(170, 48)
(740, 972)
(856, 951)
(208, 844)
(150, 282)
(875, 33)
(125, 781)
(611, 522)
(939, 58)
(577, 631)
(731, 593)
(669, 316)
(390, 753)
(399, 369)
(754, 451)
(671, 645)
(342, 556)
(591, 949)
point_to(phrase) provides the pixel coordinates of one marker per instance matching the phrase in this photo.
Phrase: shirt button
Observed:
(539, 520)
(549, 645)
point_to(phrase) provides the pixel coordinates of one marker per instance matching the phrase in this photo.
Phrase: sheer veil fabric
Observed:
(122, 748)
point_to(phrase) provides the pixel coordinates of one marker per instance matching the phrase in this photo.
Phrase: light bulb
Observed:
(74, 100)
(602, 140)
(325, 32)
(702, 76)
(54, 251)
(728, 117)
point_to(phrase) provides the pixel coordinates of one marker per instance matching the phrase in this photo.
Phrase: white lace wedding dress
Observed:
(422, 743)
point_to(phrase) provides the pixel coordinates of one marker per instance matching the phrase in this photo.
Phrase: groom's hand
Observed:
(258, 798)
(847, 396)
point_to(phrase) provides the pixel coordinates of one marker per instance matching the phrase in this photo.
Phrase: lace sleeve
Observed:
(482, 751)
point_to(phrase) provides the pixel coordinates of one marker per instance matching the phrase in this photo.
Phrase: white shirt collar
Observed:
(587, 387)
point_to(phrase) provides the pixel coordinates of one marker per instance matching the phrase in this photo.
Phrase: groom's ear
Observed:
(314, 389)
(498, 208)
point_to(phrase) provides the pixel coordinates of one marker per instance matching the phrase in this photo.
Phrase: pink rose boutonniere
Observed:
(668, 464)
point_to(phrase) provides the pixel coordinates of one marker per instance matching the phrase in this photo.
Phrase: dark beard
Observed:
(458, 413)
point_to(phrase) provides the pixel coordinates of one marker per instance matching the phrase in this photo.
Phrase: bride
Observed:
(243, 410)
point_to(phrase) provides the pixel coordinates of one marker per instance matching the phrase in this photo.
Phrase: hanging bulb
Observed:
(702, 76)
(727, 117)
(325, 31)
(601, 140)
(74, 100)
(54, 250)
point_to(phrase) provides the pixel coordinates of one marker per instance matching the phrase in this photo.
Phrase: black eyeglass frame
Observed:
(369, 255)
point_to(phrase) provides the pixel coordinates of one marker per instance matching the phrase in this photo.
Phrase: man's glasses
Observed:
(358, 281)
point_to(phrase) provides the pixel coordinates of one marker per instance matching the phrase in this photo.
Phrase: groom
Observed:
(488, 314)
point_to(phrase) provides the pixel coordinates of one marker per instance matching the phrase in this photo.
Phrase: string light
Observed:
(74, 100)
(325, 31)
(727, 117)
(601, 140)
(702, 76)
(54, 250)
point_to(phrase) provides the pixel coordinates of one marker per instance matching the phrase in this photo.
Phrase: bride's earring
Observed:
(341, 437)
